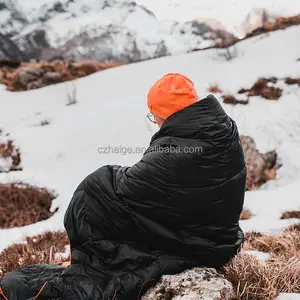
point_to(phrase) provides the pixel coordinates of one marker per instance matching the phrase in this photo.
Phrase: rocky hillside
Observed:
(258, 17)
(105, 30)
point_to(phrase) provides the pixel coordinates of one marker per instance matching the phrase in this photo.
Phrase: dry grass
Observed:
(246, 214)
(8, 150)
(254, 279)
(263, 87)
(279, 24)
(230, 99)
(51, 73)
(285, 244)
(215, 89)
(294, 227)
(258, 280)
(40, 249)
(23, 204)
(294, 214)
(289, 81)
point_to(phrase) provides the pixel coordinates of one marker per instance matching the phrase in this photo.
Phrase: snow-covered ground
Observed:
(111, 111)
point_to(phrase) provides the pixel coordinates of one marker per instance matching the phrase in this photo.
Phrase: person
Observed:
(175, 209)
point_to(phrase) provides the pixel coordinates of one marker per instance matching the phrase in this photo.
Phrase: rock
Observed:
(28, 74)
(52, 77)
(260, 167)
(195, 284)
(9, 50)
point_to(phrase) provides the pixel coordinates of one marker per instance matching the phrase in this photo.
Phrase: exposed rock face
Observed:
(195, 284)
(260, 167)
(211, 29)
(9, 50)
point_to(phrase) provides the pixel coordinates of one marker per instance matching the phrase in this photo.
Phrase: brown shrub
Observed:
(246, 214)
(7, 150)
(40, 249)
(261, 88)
(294, 227)
(295, 214)
(285, 244)
(254, 279)
(45, 73)
(290, 81)
(229, 99)
(215, 89)
(258, 280)
(23, 204)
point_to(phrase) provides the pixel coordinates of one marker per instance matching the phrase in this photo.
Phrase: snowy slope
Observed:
(111, 111)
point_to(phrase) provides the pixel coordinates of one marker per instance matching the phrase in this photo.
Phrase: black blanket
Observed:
(177, 208)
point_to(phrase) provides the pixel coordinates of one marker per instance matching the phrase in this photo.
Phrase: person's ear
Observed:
(159, 121)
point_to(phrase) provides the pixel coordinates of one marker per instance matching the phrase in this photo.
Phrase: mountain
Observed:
(106, 30)
(12, 20)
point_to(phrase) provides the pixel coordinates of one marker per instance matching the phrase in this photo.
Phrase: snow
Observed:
(63, 255)
(111, 110)
(262, 256)
(288, 296)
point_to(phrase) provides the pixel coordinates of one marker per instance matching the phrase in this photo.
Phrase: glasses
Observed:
(151, 118)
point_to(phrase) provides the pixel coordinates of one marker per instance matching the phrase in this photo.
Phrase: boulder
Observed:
(52, 77)
(194, 284)
(28, 74)
(261, 167)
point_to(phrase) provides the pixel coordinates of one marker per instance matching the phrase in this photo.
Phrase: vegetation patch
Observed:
(23, 204)
(10, 157)
(294, 214)
(46, 248)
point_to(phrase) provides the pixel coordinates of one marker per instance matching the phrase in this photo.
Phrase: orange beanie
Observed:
(172, 93)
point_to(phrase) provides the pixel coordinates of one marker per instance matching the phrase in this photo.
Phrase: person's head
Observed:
(170, 94)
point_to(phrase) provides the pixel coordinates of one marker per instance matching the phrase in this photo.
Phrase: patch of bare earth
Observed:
(23, 204)
(41, 249)
(294, 214)
(255, 279)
